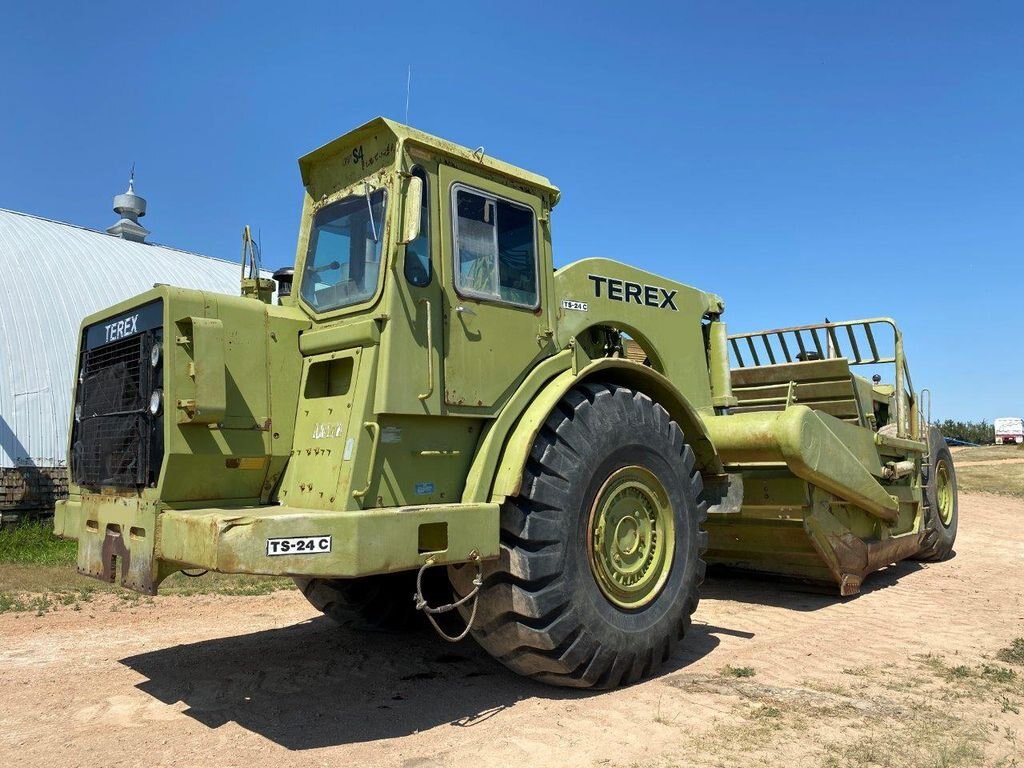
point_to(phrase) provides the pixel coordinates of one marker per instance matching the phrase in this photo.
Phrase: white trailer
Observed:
(1009, 429)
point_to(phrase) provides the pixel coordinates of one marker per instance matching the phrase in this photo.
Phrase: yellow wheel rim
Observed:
(631, 537)
(944, 493)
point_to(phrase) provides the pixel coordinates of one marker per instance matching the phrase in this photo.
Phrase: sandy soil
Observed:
(904, 674)
(989, 462)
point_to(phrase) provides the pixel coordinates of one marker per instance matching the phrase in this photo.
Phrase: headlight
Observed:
(154, 355)
(155, 401)
(78, 411)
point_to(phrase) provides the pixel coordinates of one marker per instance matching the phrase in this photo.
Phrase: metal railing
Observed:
(872, 341)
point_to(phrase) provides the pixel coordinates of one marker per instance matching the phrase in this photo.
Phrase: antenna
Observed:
(253, 285)
(408, 93)
(250, 255)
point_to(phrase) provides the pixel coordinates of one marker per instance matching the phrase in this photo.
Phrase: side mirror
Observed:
(411, 209)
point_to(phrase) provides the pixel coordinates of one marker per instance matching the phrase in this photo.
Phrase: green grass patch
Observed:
(1013, 653)
(236, 585)
(37, 574)
(33, 543)
(997, 673)
(731, 671)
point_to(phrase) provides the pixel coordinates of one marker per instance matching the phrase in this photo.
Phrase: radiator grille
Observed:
(113, 442)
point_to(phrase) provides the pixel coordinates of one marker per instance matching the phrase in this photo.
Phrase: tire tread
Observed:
(533, 632)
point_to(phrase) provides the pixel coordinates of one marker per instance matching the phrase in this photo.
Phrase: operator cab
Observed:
(447, 249)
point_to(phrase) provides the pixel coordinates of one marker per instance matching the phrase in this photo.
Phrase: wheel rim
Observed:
(631, 537)
(944, 493)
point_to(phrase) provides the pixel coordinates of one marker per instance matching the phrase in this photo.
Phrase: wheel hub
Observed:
(631, 537)
(944, 493)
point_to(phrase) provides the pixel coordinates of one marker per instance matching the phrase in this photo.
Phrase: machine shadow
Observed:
(741, 586)
(314, 684)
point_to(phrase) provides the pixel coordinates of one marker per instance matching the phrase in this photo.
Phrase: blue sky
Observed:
(801, 159)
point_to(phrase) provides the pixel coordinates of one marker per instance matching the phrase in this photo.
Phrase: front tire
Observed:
(600, 552)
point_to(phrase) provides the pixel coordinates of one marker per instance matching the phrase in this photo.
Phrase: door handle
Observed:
(465, 310)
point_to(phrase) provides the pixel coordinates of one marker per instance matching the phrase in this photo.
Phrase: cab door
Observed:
(494, 310)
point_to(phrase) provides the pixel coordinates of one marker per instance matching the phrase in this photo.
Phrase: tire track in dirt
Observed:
(900, 607)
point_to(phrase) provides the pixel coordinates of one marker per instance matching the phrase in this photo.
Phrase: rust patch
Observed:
(115, 548)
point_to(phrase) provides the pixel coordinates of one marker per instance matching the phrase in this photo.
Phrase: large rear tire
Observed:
(940, 493)
(600, 552)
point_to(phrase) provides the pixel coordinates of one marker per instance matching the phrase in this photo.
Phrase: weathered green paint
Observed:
(412, 413)
(159, 541)
(364, 542)
(515, 447)
(816, 447)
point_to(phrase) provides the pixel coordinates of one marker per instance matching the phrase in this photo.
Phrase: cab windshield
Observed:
(343, 262)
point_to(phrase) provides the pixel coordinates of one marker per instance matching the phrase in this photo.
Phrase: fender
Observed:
(508, 473)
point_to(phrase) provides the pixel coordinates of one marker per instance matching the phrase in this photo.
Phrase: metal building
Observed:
(54, 274)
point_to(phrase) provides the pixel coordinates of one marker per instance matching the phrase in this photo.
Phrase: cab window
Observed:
(343, 264)
(417, 253)
(495, 248)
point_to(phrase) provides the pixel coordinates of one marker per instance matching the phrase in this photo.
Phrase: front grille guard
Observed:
(113, 441)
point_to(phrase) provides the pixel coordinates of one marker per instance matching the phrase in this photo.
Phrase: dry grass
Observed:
(988, 453)
(1006, 479)
(890, 727)
(992, 478)
(1013, 653)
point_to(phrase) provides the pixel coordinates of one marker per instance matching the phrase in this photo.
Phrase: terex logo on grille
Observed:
(126, 324)
(121, 328)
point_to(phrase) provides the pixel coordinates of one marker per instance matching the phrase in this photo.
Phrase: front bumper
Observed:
(139, 543)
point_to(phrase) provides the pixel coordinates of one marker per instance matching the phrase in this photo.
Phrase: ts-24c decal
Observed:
(624, 290)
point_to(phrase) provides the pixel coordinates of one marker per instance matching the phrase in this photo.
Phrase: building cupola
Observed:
(130, 207)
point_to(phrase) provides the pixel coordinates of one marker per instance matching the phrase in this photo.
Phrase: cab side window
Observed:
(417, 253)
(495, 248)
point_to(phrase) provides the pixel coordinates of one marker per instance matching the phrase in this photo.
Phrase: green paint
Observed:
(631, 537)
(386, 410)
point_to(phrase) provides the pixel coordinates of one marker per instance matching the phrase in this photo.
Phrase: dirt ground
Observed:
(908, 673)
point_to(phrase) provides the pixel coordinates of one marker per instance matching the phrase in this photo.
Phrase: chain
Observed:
(430, 612)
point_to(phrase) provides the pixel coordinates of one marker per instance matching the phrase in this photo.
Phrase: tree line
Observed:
(968, 431)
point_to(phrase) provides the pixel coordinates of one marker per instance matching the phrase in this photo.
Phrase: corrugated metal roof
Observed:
(52, 275)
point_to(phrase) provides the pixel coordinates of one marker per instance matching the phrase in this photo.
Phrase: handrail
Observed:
(374, 427)
(818, 339)
(430, 352)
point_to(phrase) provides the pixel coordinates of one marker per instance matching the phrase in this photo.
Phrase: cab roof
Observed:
(405, 134)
